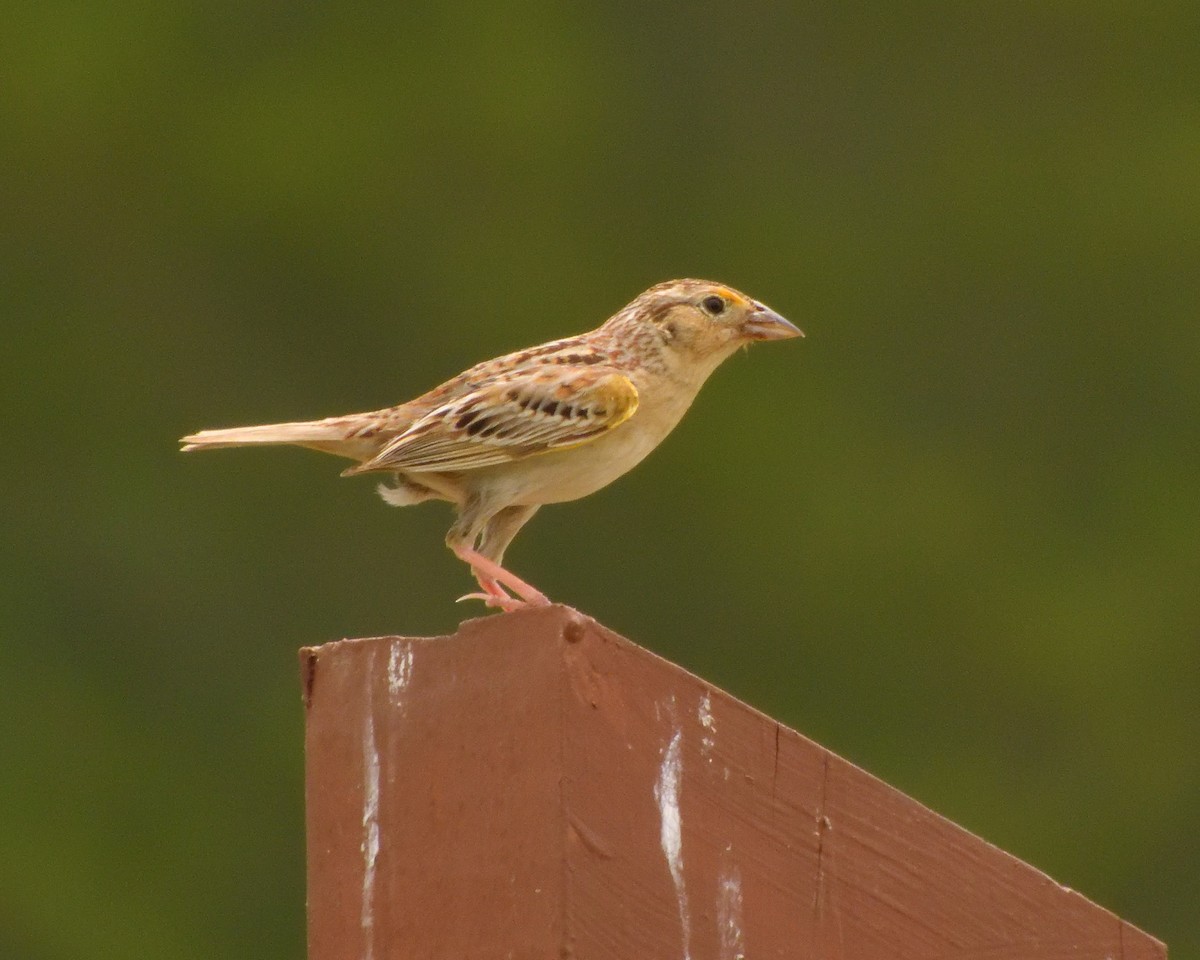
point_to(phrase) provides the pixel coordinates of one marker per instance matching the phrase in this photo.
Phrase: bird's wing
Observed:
(510, 418)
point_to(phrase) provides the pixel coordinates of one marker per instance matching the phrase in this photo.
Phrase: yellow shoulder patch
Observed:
(618, 394)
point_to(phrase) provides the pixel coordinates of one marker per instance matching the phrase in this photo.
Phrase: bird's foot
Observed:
(493, 595)
(506, 603)
(491, 576)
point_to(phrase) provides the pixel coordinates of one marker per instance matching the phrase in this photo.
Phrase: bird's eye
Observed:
(714, 304)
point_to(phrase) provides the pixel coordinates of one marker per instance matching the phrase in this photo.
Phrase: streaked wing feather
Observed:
(550, 408)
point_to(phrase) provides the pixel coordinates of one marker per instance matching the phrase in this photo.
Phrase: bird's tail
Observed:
(337, 435)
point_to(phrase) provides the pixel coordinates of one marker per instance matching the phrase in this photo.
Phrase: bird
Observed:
(547, 424)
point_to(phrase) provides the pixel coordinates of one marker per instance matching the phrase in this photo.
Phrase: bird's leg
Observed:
(494, 532)
(489, 572)
(498, 533)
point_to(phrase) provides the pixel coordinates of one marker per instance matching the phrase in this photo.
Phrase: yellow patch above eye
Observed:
(733, 297)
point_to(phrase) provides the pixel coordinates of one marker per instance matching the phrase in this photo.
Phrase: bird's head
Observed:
(698, 323)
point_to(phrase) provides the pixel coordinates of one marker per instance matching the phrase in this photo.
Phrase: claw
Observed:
(504, 602)
(485, 597)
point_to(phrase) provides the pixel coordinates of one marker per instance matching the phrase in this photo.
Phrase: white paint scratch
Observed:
(666, 794)
(400, 663)
(729, 914)
(370, 825)
(705, 716)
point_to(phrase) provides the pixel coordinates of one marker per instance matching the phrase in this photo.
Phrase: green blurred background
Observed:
(954, 534)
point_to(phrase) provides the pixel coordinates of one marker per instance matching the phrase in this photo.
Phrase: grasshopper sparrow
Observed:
(543, 425)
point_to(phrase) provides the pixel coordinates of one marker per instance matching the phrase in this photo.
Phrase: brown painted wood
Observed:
(536, 786)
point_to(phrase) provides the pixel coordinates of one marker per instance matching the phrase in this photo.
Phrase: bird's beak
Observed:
(763, 323)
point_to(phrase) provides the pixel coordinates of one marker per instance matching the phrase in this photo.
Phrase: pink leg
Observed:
(488, 570)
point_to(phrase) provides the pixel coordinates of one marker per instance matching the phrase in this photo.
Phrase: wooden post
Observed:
(536, 787)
